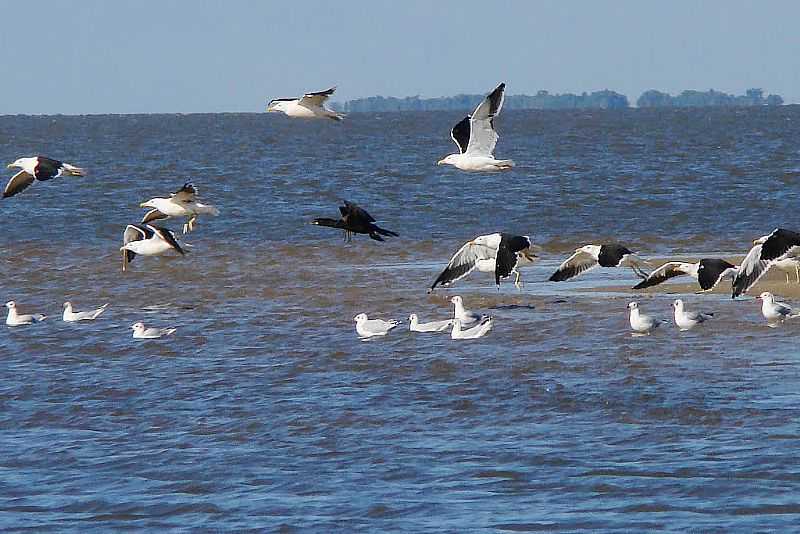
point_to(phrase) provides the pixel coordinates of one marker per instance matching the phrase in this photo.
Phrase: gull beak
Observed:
(143, 205)
(10, 166)
(440, 162)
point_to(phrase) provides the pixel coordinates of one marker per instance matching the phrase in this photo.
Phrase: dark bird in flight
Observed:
(355, 220)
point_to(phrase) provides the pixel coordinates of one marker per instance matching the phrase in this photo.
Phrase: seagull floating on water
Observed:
(708, 272)
(366, 327)
(686, 320)
(147, 240)
(71, 316)
(308, 106)
(141, 332)
(476, 137)
(467, 317)
(590, 256)
(355, 220)
(640, 323)
(16, 319)
(38, 168)
(479, 330)
(434, 326)
(181, 203)
(773, 311)
(499, 253)
(767, 251)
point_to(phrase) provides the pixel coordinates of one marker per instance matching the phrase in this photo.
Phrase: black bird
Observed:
(355, 220)
(708, 272)
(767, 251)
(590, 256)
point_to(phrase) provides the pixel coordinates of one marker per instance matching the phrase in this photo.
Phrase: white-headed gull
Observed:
(767, 251)
(708, 272)
(308, 106)
(479, 330)
(590, 256)
(71, 316)
(141, 332)
(640, 323)
(497, 253)
(16, 319)
(147, 240)
(181, 203)
(467, 317)
(434, 326)
(476, 137)
(366, 327)
(686, 320)
(37, 168)
(773, 311)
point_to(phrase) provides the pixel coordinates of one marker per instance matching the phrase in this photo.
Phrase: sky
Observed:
(182, 56)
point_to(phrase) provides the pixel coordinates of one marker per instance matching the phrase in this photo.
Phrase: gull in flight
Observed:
(641, 324)
(366, 327)
(476, 137)
(686, 320)
(708, 272)
(590, 256)
(355, 220)
(434, 326)
(767, 251)
(308, 106)
(497, 253)
(38, 168)
(16, 319)
(141, 332)
(181, 203)
(147, 240)
(71, 316)
(479, 330)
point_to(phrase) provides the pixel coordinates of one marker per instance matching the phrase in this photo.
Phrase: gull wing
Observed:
(47, 168)
(463, 262)
(779, 243)
(133, 232)
(460, 134)
(153, 215)
(711, 272)
(750, 271)
(508, 255)
(18, 183)
(573, 266)
(665, 272)
(316, 99)
(187, 193)
(167, 236)
(483, 137)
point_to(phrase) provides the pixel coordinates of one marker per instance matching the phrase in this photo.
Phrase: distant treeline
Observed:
(543, 100)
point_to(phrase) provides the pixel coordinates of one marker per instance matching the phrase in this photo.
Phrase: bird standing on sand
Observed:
(38, 168)
(181, 203)
(641, 324)
(355, 220)
(308, 106)
(476, 137)
(686, 320)
(588, 257)
(16, 319)
(498, 253)
(773, 311)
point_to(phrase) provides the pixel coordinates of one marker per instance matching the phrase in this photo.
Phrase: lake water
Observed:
(265, 412)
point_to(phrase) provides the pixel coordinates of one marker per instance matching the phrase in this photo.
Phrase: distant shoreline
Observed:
(605, 99)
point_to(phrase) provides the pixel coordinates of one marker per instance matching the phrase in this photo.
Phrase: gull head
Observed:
(149, 204)
(68, 305)
(136, 327)
(11, 304)
(412, 317)
(633, 305)
(360, 318)
(766, 296)
(760, 240)
(678, 304)
(448, 160)
(456, 300)
(275, 106)
(17, 164)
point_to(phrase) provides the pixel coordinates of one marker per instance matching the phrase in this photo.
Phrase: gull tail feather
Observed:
(99, 310)
(72, 170)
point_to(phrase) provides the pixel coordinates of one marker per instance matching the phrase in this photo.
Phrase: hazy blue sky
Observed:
(97, 56)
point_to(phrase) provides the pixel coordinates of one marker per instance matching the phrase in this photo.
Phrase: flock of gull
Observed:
(499, 253)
